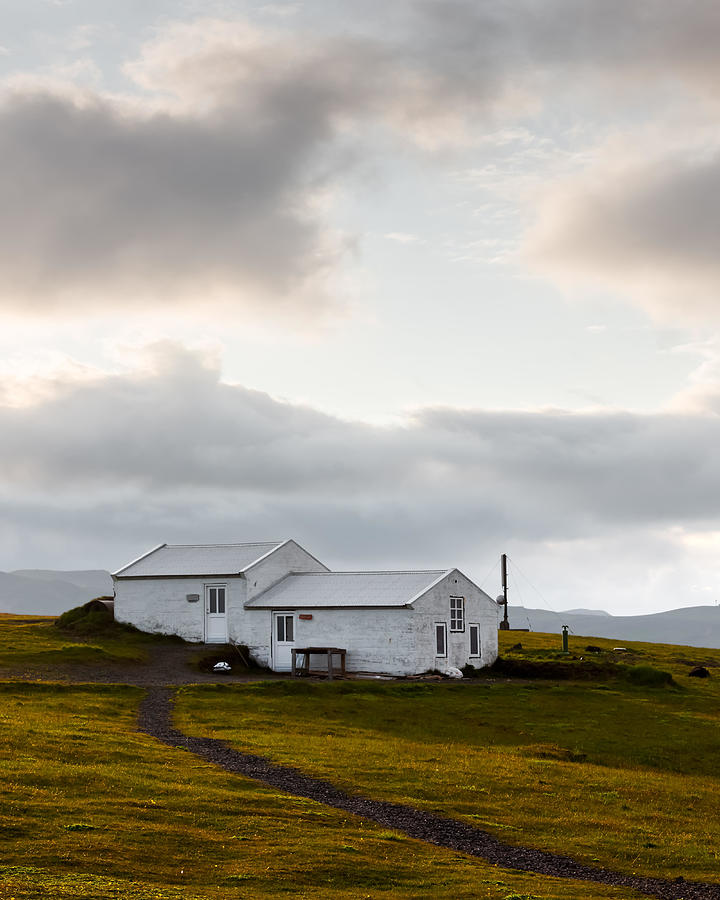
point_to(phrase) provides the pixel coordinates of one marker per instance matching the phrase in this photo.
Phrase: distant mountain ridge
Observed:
(696, 626)
(586, 612)
(46, 592)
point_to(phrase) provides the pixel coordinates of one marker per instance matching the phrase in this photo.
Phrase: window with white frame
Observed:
(284, 626)
(440, 639)
(457, 614)
(474, 640)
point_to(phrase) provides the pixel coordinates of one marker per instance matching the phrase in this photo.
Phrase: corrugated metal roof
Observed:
(197, 559)
(317, 589)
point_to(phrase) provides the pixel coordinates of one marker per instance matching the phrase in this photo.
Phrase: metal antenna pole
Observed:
(505, 624)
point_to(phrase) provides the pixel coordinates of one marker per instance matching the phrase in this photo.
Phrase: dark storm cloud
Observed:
(175, 437)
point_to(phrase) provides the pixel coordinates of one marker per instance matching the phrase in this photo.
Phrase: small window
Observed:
(457, 614)
(440, 639)
(284, 628)
(216, 600)
(474, 640)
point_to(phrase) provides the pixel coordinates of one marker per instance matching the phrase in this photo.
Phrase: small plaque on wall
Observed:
(192, 598)
(305, 616)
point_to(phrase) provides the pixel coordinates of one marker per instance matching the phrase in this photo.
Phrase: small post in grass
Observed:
(566, 648)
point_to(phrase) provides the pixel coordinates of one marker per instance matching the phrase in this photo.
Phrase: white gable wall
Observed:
(289, 557)
(434, 606)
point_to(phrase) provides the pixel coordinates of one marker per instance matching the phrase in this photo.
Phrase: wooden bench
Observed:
(307, 652)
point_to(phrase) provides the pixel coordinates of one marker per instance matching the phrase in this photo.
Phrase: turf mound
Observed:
(94, 617)
(581, 670)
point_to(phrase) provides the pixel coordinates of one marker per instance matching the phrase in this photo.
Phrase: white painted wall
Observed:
(377, 640)
(160, 605)
(290, 557)
(435, 607)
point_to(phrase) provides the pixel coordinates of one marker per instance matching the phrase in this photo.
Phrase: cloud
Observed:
(209, 190)
(172, 433)
(645, 229)
(210, 187)
(582, 38)
(95, 467)
(99, 207)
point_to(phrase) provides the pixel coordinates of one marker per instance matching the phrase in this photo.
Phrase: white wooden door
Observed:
(216, 614)
(283, 627)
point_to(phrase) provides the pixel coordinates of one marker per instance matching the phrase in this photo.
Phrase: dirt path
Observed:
(155, 719)
(167, 664)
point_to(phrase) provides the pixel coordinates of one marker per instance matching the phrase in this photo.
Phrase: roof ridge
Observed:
(236, 544)
(377, 572)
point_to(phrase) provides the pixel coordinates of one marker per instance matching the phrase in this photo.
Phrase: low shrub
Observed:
(558, 670)
(648, 676)
(469, 671)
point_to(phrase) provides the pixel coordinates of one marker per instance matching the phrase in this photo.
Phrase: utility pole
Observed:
(505, 624)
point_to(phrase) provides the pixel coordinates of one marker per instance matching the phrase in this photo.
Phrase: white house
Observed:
(276, 596)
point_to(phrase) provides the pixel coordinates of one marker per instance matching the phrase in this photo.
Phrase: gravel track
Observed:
(155, 719)
(167, 664)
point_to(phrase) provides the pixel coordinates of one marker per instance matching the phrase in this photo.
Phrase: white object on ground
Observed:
(453, 672)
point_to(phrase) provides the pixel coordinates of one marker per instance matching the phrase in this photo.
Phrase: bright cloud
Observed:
(647, 229)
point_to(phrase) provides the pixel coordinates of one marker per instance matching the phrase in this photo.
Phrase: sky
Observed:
(415, 283)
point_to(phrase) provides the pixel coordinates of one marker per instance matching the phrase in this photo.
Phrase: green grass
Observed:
(91, 809)
(36, 642)
(614, 773)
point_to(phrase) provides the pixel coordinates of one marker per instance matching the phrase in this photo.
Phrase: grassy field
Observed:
(611, 772)
(33, 641)
(91, 809)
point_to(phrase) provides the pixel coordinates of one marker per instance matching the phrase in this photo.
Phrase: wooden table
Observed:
(307, 652)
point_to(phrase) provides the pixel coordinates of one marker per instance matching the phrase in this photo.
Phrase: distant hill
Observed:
(586, 612)
(48, 593)
(697, 626)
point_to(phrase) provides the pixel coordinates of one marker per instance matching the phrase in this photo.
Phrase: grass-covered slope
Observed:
(613, 772)
(90, 809)
(610, 771)
(85, 635)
